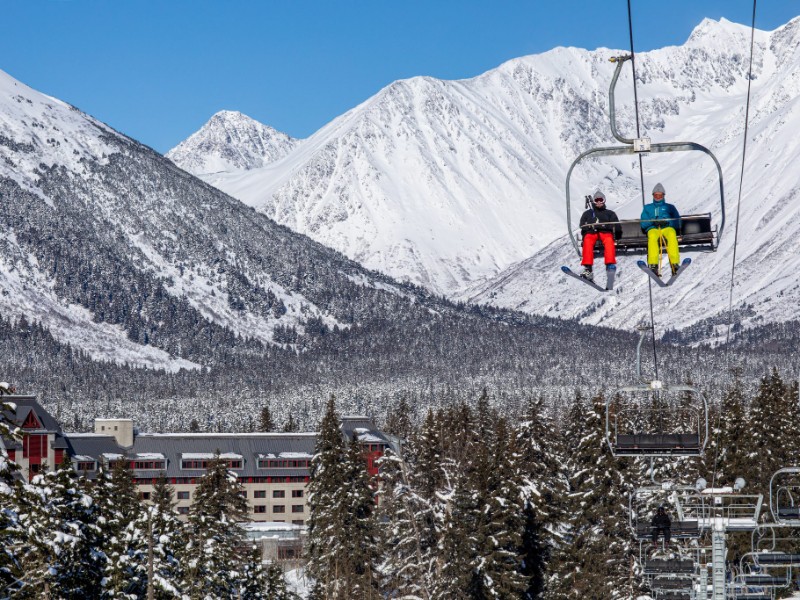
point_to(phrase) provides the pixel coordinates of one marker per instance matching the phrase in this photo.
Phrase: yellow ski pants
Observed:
(654, 237)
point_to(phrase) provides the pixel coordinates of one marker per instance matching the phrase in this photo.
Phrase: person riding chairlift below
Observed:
(661, 220)
(661, 524)
(600, 223)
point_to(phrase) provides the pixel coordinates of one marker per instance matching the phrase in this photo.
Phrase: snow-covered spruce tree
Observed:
(408, 514)
(597, 560)
(62, 556)
(11, 535)
(458, 546)
(360, 526)
(276, 584)
(501, 492)
(214, 555)
(726, 454)
(163, 495)
(342, 536)
(253, 583)
(124, 541)
(538, 455)
(326, 523)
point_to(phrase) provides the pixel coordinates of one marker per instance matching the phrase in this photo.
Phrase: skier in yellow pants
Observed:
(661, 220)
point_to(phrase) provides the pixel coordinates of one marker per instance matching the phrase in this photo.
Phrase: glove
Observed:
(660, 223)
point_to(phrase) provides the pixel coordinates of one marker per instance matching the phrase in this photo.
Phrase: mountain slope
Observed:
(449, 183)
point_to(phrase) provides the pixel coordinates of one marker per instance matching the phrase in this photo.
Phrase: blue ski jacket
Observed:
(660, 214)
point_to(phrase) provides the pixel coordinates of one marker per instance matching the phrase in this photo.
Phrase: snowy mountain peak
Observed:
(232, 142)
(722, 34)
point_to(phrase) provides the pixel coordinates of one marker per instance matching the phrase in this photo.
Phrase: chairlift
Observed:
(671, 438)
(697, 232)
(784, 496)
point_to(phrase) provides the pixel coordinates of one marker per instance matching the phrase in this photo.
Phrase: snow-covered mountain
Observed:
(451, 184)
(231, 142)
(114, 250)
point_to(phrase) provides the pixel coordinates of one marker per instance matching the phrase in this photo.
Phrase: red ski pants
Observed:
(609, 252)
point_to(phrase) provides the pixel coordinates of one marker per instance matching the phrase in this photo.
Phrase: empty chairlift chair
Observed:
(675, 432)
(784, 496)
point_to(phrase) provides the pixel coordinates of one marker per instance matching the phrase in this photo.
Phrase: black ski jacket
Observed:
(661, 521)
(601, 219)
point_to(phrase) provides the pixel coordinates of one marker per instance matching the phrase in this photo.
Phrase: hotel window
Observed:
(183, 495)
(279, 493)
(280, 508)
(296, 508)
(260, 494)
(260, 509)
(297, 493)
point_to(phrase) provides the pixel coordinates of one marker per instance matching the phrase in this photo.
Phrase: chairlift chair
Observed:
(784, 497)
(675, 439)
(697, 233)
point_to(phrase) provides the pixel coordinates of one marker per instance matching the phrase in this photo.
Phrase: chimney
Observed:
(121, 429)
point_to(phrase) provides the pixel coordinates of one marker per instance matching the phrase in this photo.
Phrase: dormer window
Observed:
(200, 460)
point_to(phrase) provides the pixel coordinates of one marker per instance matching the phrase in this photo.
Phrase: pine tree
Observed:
(360, 526)
(341, 535)
(276, 584)
(726, 455)
(398, 420)
(62, 556)
(412, 511)
(125, 543)
(12, 537)
(501, 493)
(538, 456)
(597, 560)
(266, 423)
(213, 554)
(253, 585)
(326, 524)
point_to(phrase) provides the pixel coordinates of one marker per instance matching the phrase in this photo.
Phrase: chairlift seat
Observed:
(659, 566)
(658, 443)
(778, 559)
(679, 529)
(789, 512)
(764, 580)
(671, 583)
(696, 233)
(674, 595)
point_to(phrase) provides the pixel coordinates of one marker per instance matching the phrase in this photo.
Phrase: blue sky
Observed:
(156, 70)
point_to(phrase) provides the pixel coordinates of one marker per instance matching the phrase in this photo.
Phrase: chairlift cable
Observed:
(641, 180)
(741, 181)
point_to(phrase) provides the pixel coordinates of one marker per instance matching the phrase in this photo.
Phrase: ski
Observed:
(572, 273)
(685, 263)
(643, 266)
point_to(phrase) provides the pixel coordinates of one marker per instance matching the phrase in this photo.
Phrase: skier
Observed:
(599, 222)
(661, 220)
(661, 524)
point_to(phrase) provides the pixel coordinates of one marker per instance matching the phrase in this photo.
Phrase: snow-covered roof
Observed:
(210, 455)
(150, 456)
(83, 458)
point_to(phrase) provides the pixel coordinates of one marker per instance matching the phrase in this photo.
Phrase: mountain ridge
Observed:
(449, 184)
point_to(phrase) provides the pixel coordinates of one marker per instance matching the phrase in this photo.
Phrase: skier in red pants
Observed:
(599, 223)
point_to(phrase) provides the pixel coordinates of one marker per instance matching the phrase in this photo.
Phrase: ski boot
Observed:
(587, 274)
(674, 267)
(655, 269)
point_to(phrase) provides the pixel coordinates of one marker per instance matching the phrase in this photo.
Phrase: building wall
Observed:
(294, 501)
